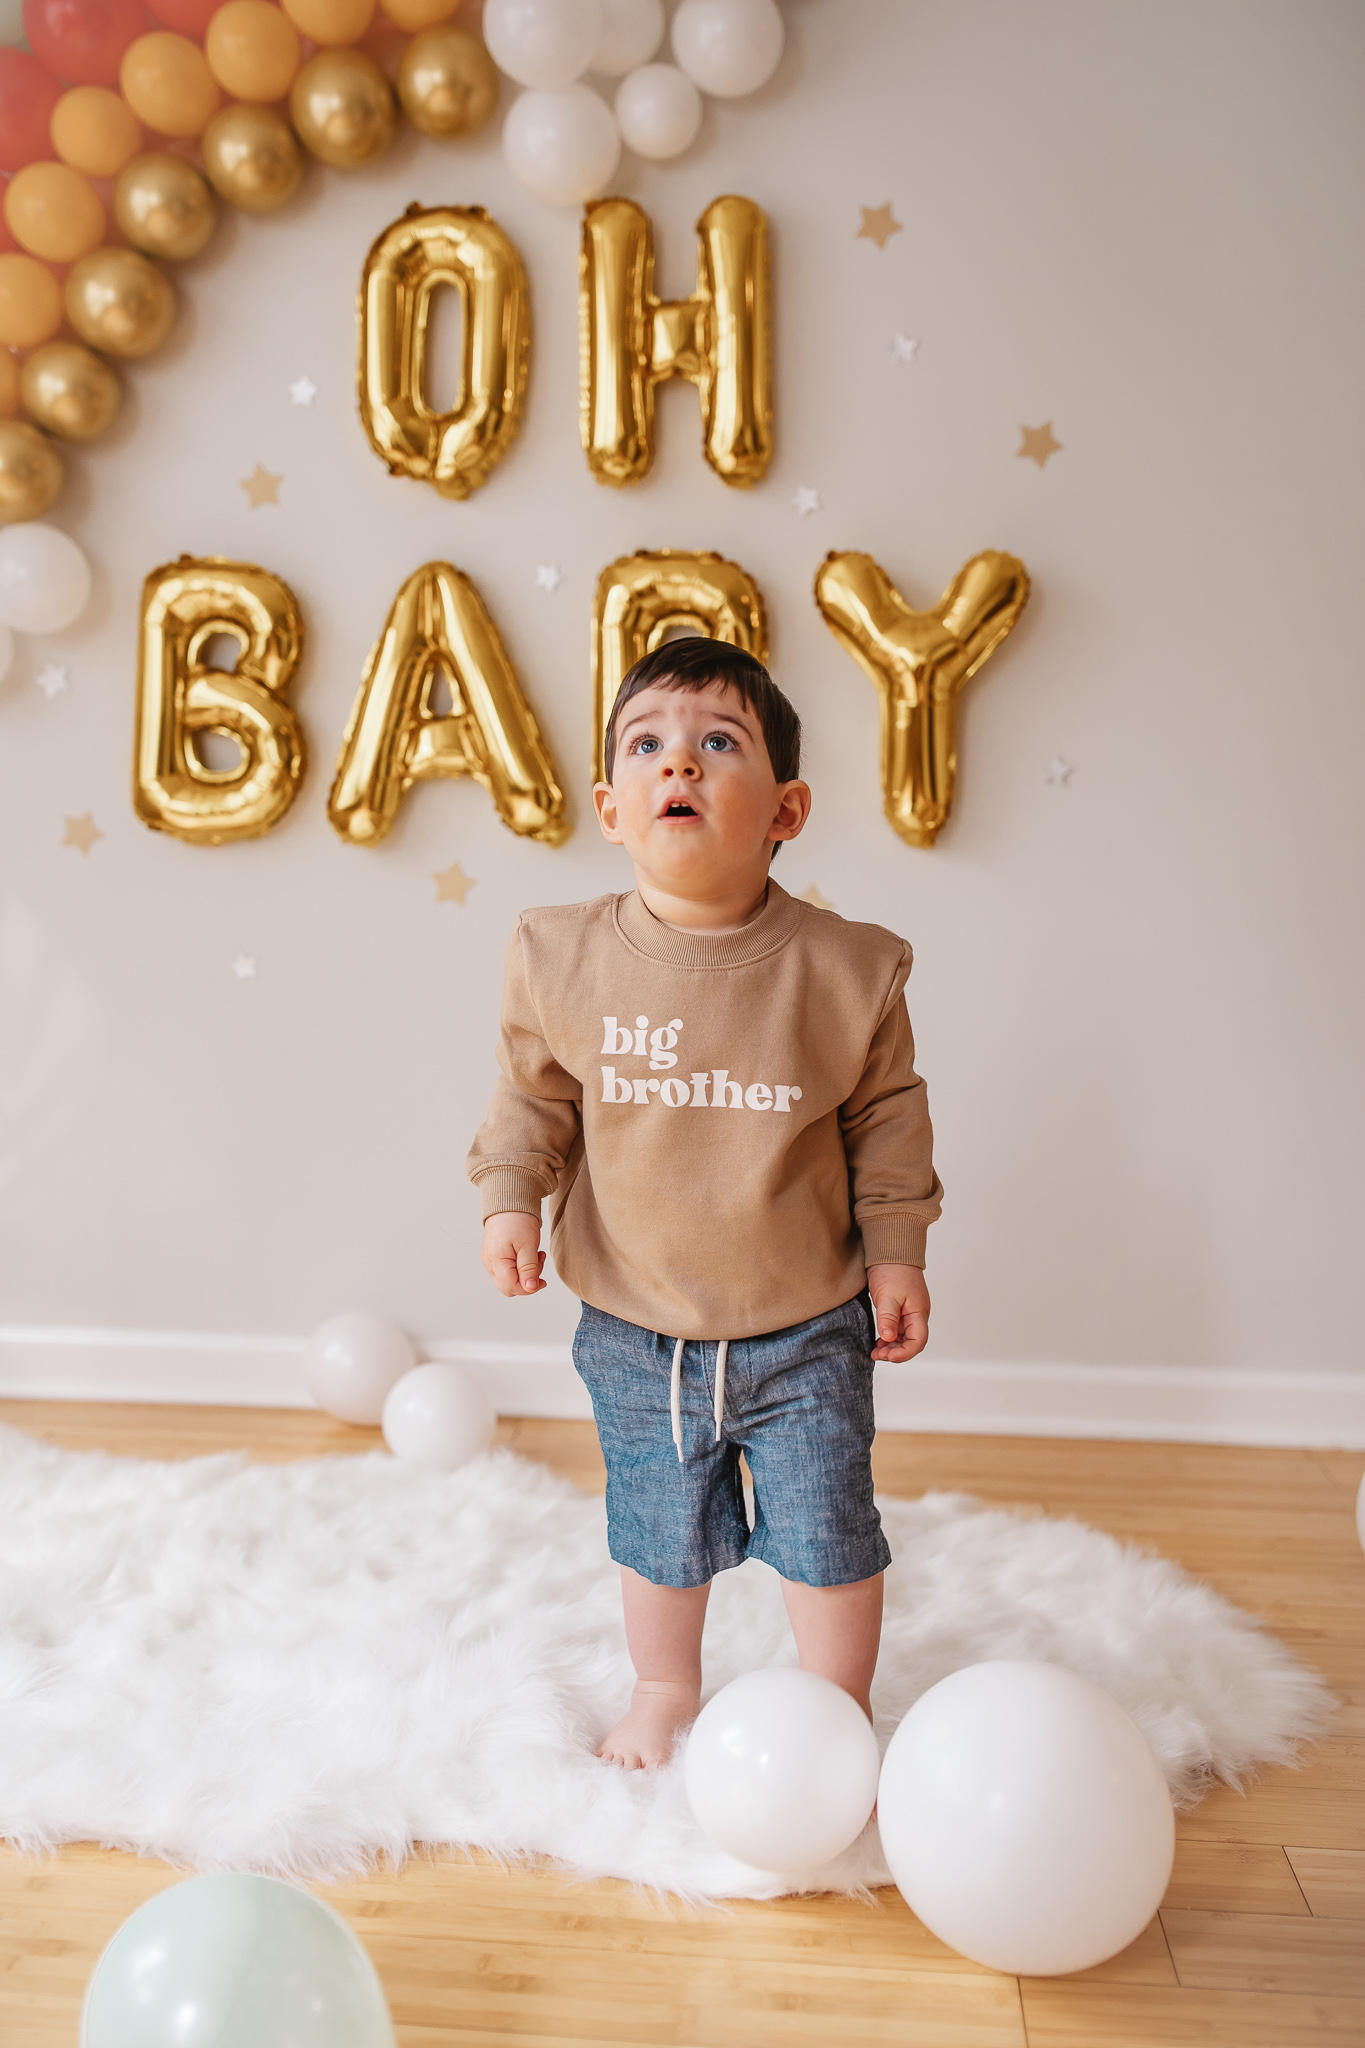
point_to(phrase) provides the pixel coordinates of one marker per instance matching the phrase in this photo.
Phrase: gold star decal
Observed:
(261, 487)
(82, 832)
(879, 224)
(812, 895)
(454, 885)
(1038, 443)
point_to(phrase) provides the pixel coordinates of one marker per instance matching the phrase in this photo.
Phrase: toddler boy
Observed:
(714, 1083)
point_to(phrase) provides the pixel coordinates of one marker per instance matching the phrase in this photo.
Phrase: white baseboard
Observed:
(1157, 1403)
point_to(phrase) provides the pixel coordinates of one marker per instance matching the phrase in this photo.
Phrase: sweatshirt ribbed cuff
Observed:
(510, 1187)
(893, 1240)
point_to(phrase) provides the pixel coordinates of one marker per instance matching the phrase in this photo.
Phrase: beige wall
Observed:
(1137, 997)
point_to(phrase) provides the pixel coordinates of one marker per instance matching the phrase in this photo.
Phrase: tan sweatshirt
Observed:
(729, 1126)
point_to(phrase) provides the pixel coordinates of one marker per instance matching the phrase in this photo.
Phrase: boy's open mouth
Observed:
(679, 809)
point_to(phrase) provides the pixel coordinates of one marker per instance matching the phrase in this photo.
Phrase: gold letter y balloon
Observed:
(918, 662)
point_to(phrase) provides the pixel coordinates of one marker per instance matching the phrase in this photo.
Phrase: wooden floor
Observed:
(1260, 1942)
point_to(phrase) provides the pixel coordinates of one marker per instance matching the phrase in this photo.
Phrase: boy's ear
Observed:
(604, 802)
(793, 809)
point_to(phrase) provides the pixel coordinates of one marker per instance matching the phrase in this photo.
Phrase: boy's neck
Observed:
(718, 913)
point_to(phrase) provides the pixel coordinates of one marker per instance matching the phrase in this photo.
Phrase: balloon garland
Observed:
(126, 122)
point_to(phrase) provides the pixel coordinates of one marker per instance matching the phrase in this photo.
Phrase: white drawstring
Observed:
(675, 1391)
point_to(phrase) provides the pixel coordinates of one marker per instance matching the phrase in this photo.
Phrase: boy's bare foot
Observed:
(643, 1738)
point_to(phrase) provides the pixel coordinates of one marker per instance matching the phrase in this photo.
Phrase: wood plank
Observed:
(1265, 1952)
(1332, 1881)
(1278, 1808)
(1233, 1877)
(1145, 1961)
(1060, 2013)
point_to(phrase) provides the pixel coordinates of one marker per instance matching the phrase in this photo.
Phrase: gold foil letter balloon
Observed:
(462, 247)
(644, 599)
(439, 625)
(720, 338)
(178, 697)
(918, 661)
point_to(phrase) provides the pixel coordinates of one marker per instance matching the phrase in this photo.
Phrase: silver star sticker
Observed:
(806, 500)
(244, 967)
(905, 348)
(303, 391)
(548, 576)
(1057, 771)
(52, 680)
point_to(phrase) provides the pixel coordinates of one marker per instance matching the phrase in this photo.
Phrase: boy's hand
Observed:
(900, 1301)
(512, 1256)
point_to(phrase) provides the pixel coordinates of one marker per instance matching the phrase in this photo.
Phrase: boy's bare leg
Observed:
(663, 1634)
(838, 1630)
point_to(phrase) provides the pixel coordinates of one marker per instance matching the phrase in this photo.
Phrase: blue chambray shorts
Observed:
(798, 1403)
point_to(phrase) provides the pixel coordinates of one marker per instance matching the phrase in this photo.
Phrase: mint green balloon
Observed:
(235, 1962)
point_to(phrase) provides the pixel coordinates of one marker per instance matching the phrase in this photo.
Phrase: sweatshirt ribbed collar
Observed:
(648, 934)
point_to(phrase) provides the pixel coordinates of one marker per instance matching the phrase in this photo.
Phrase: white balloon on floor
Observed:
(438, 1415)
(1025, 1819)
(542, 43)
(563, 146)
(632, 31)
(351, 1362)
(658, 110)
(781, 1769)
(235, 1961)
(44, 578)
(729, 47)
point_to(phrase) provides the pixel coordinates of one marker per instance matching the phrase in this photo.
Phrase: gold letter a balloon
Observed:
(918, 662)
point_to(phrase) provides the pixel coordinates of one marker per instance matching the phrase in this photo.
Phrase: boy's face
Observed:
(693, 798)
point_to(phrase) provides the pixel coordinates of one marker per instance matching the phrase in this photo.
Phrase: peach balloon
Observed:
(9, 384)
(53, 212)
(30, 302)
(253, 50)
(95, 131)
(415, 14)
(331, 21)
(167, 83)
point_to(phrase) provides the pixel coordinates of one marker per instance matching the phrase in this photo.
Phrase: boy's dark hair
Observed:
(692, 663)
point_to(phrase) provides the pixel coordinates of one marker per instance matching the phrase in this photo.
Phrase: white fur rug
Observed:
(293, 1667)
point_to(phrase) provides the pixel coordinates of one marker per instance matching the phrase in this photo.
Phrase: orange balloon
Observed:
(95, 131)
(331, 21)
(53, 212)
(167, 83)
(416, 14)
(9, 384)
(253, 50)
(30, 302)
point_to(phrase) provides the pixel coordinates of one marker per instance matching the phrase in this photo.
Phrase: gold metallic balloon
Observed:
(642, 599)
(30, 472)
(70, 390)
(720, 338)
(119, 302)
(439, 625)
(343, 108)
(184, 605)
(918, 661)
(252, 157)
(447, 82)
(462, 247)
(163, 206)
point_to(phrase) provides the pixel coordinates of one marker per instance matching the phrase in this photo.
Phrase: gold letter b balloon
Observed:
(184, 606)
(918, 662)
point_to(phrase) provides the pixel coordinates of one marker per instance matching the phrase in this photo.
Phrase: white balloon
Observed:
(563, 146)
(545, 44)
(658, 110)
(729, 47)
(632, 31)
(351, 1362)
(438, 1415)
(1025, 1818)
(781, 1769)
(6, 651)
(44, 578)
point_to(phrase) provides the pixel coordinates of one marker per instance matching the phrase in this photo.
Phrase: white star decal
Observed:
(244, 967)
(302, 391)
(52, 680)
(1057, 771)
(905, 348)
(548, 576)
(806, 500)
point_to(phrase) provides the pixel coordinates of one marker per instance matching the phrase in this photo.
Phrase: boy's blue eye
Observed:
(719, 740)
(645, 745)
